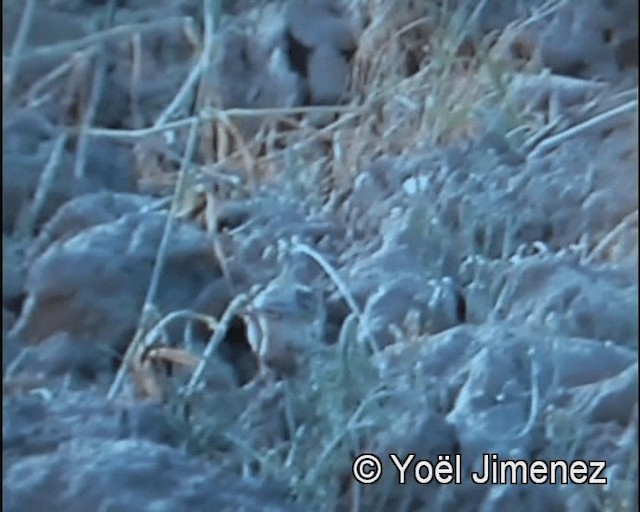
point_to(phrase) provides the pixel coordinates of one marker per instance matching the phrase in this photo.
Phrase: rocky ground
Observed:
(245, 242)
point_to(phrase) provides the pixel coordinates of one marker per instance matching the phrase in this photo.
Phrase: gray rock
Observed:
(13, 274)
(92, 285)
(519, 394)
(328, 75)
(109, 166)
(37, 425)
(83, 213)
(319, 43)
(130, 475)
(573, 300)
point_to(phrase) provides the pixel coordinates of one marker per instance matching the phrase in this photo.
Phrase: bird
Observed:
(285, 322)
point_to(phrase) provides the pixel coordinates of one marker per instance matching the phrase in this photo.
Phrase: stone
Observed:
(130, 475)
(92, 286)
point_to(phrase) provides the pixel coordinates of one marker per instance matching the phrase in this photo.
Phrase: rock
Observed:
(573, 300)
(13, 275)
(48, 26)
(20, 179)
(412, 306)
(92, 285)
(130, 475)
(108, 166)
(608, 400)
(328, 75)
(62, 355)
(485, 378)
(24, 130)
(319, 45)
(314, 23)
(83, 213)
(39, 425)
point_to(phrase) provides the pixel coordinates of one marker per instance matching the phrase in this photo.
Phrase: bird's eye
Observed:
(305, 299)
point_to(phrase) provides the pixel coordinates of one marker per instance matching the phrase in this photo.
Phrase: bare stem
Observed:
(221, 330)
(211, 114)
(96, 93)
(139, 336)
(122, 31)
(27, 227)
(16, 50)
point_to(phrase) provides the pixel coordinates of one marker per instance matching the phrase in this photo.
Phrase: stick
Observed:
(600, 120)
(211, 114)
(132, 349)
(96, 93)
(16, 50)
(56, 50)
(221, 330)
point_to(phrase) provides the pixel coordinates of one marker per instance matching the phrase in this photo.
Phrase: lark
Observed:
(285, 323)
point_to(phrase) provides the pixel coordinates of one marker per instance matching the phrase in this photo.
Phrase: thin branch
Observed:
(95, 96)
(212, 11)
(52, 76)
(27, 225)
(211, 215)
(187, 314)
(136, 72)
(180, 98)
(600, 121)
(132, 349)
(342, 287)
(232, 310)
(122, 31)
(19, 43)
(211, 114)
(606, 241)
(353, 425)
(13, 367)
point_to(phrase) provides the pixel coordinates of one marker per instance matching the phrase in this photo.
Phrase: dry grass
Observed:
(410, 89)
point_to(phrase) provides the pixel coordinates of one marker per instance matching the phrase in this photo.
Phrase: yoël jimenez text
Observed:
(494, 470)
